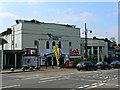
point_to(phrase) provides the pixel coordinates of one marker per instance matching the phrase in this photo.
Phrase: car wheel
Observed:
(95, 69)
(102, 68)
(108, 68)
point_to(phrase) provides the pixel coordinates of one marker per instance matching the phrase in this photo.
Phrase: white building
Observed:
(24, 34)
(98, 48)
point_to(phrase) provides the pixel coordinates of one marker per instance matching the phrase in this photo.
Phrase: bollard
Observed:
(37, 68)
(31, 68)
(12, 69)
(23, 69)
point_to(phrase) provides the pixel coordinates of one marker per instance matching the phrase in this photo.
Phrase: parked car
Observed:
(103, 65)
(115, 64)
(86, 65)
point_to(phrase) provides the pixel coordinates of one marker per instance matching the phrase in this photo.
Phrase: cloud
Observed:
(76, 18)
(6, 19)
(113, 32)
(60, 1)
(87, 16)
(33, 2)
(29, 2)
(107, 33)
(7, 15)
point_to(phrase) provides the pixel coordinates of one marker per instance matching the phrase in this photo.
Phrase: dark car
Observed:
(86, 65)
(115, 64)
(103, 65)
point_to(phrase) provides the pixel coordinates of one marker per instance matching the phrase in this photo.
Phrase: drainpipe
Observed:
(2, 56)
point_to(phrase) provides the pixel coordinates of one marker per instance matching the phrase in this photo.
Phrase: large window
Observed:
(100, 53)
(95, 50)
(47, 44)
(59, 44)
(70, 44)
(53, 43)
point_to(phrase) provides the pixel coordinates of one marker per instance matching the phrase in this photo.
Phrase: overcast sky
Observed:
(100, 17)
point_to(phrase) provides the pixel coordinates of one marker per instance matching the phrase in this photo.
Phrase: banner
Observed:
(56, 54)
(85, 54)
(60, 52)
(101, 55)
(88, 53)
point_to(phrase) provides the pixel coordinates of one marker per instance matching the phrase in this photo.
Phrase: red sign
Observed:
(30, 51)
(74, 52)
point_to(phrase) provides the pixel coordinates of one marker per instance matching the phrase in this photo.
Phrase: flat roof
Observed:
(38, 22)
(95, 38)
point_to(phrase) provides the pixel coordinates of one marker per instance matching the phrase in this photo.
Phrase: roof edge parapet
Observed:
(38, 22)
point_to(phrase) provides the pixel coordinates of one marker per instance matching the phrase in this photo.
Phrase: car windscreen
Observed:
(88, 63)
(99, 63)
(105, 62)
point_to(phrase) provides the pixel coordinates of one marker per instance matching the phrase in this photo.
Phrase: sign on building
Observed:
(30, 51)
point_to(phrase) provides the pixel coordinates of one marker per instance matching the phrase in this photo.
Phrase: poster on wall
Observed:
(30, 51)
(74, 52)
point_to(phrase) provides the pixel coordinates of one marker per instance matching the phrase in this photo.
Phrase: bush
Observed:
(75, 62)
(63, 66)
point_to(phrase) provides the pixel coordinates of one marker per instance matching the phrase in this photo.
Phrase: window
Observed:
(47, 44)
(35, 42)
(95, 50)
(70, 44)
(53, 43)
(59, 44)
(16, 45)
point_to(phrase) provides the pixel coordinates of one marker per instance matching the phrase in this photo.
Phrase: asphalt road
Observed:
(68, 79)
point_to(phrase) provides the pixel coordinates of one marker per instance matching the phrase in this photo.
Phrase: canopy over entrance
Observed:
(3, 41)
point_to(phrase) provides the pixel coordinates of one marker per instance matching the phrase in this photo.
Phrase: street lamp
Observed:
(85, 50)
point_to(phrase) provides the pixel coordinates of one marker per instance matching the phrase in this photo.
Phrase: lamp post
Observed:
(85, 50)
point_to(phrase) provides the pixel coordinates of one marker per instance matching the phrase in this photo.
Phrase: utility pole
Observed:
(85, 48)
(85, 52)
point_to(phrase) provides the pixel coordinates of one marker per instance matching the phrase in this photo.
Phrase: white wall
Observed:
(94, 42)
(33, 32)
(7, 46)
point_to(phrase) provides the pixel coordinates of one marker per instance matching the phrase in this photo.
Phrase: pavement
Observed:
(42, 68)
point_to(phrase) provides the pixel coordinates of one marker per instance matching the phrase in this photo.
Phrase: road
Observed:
(69, 79)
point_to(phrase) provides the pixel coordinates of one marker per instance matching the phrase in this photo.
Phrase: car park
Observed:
(86, 65)
(103, 65)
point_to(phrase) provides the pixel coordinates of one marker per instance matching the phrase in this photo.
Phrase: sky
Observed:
(100, 17)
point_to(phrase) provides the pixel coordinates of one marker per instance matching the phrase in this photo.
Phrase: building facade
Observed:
(23, 49)
(96, 48)
(30, 43)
